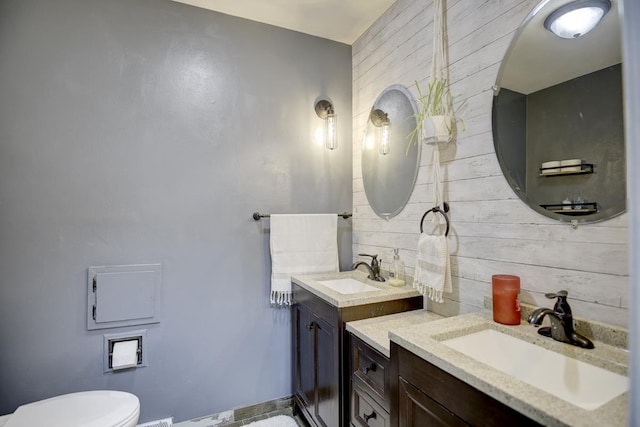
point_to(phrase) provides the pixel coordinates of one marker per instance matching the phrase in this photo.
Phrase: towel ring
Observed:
(435, 210)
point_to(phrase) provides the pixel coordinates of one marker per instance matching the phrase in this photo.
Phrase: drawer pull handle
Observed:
(370, 368)
(368, 417)
(311, 325)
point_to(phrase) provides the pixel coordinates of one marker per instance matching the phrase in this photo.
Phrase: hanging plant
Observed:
(436, 119)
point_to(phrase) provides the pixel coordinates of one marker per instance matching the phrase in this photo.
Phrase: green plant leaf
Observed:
(433, 103)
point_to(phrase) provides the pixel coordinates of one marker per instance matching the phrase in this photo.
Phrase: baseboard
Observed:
(166, 422)
(239, 414)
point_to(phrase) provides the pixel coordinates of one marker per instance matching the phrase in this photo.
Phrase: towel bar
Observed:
(257, 215)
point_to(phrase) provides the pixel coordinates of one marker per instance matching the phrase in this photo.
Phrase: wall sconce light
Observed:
(380, 120)
(324, 110)
(577, 18)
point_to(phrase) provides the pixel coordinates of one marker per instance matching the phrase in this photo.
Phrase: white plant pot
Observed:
(438, 129)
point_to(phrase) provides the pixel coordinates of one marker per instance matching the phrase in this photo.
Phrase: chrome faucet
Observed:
(561, 328)
(373, 269)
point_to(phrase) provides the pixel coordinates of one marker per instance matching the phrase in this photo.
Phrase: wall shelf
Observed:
(569, 170)
(586, 208)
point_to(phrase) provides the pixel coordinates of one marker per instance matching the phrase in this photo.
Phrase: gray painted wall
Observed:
(509, 117)
(579, 119)
(149, 131)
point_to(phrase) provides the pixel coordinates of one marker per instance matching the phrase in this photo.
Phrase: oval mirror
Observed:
(389, 166)
(557, 118)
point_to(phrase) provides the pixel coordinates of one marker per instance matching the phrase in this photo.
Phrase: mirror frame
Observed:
(513, 184)
(415, 150)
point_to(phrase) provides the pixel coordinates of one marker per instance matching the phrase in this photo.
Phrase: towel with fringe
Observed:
(433, 268)
(301, 244)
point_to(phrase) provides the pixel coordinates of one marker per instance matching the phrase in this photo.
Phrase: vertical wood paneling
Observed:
(492, 230)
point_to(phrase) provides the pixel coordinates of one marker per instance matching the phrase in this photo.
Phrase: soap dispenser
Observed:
(396, 272)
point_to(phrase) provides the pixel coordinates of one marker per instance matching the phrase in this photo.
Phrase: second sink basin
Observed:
(569, 379)
(347, 286)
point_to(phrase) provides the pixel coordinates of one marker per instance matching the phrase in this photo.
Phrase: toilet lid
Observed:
(99, 408)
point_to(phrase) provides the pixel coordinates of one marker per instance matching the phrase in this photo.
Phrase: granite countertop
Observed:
(375, 331)
(422, 333)
(384, 292)
(425, 339)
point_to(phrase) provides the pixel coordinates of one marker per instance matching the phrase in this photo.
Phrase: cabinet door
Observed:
(327, 376)
(304, 342)
(416, 409)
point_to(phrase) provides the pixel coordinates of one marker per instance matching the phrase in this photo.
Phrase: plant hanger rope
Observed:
(439, 57)
(436, 116)
(439, 74)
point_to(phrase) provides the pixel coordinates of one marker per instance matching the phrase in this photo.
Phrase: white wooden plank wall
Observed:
(492, 231)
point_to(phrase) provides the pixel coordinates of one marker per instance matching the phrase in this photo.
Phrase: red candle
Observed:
(506, 302)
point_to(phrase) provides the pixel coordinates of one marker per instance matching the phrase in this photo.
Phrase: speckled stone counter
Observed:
(384, 292)
(425, 340)
(375, 331)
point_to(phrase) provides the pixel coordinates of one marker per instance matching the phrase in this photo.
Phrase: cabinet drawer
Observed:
(370, 369)
(365, 411)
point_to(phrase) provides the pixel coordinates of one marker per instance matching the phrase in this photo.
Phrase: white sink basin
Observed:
(574, 381)
(347, 286)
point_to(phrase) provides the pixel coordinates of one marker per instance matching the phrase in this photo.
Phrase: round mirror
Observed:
(389, 165)
(557, 117)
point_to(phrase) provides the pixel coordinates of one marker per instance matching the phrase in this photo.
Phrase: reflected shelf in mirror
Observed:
(573, 170)
(582, 208)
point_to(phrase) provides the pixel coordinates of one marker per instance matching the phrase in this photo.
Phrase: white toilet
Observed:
(99, 408)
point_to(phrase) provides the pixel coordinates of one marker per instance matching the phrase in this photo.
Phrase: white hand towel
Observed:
(433, 268)
(301, 244)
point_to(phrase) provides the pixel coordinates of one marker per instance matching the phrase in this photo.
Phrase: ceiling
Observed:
(339, 20)
(539, 59)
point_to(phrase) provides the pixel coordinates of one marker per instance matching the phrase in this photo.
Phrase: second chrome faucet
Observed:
(562, 328)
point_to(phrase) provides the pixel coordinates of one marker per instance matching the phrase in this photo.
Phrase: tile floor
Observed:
(243, 416)
(244, 422)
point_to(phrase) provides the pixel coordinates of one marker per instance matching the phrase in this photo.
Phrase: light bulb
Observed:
(385, 143)
(576, 19)
(331, 132)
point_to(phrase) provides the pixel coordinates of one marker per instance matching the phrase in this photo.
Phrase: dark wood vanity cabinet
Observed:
(370, 386)
(316, 368)
(425, 395)
(320, 347)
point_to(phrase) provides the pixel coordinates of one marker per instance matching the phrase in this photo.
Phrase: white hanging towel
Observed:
(301, 244)
(433, 268)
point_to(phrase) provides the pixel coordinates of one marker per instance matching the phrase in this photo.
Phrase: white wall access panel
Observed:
(123, 295)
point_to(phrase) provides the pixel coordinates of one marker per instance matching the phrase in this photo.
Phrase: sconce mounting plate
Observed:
(323, 108)
(378, 117)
